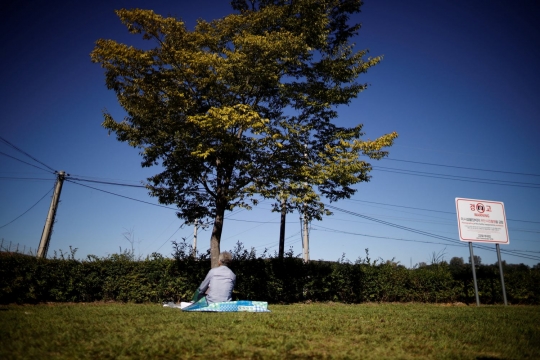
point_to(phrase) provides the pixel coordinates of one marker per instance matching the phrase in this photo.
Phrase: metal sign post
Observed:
(501, 272)
(474, 275)
(482, 221)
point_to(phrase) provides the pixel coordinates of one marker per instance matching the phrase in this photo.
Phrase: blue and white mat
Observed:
(226, 306)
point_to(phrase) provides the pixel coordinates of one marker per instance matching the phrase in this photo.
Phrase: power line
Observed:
(141, 186)
(163, 232)
(22, 178)
(258, 222)
(251, 228)
(462, 167)
(122, 196)
(321, 228)
(101, 178)
(502, 182)
(24, 162)
(458, 178)
(27, 154)
(31, 207)
(450, 177)
(421, 232)
(526, 251)
(127, 197)
(274, 242)
(400, 239)
(108, 183)
(405, 207)
(117, 183)
(431, 210)
(168, 238)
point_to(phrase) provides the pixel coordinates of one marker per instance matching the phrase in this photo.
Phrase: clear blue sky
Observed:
(459, 83)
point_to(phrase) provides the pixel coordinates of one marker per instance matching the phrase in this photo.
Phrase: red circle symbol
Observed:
(480, 207)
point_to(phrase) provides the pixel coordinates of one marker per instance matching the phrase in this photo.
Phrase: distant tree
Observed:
(422, 264)
(456, 261)
(502, 261)
(477, 260)
(393, 263)
(243, 106)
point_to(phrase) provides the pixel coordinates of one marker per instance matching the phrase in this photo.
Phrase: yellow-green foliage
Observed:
(244, 105)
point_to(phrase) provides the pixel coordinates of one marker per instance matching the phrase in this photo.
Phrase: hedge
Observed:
(120, 277)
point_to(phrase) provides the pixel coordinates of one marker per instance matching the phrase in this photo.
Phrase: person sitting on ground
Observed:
(219, 282)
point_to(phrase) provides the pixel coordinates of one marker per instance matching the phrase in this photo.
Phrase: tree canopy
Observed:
(243, 106)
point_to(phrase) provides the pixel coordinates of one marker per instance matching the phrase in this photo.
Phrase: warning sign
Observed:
(481, 221)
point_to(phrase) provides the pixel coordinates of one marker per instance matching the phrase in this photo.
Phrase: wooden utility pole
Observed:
(49, 222)
(195, 238)
(305, 242)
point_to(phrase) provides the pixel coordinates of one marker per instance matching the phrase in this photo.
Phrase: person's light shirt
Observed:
(220, 283)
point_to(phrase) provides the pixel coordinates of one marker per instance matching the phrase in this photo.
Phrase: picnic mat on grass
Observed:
(226, 306)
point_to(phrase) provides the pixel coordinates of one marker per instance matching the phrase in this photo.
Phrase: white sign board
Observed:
(481, 221)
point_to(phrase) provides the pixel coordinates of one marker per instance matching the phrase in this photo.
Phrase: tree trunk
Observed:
(215, 240)
(282, 229)
(224, 171)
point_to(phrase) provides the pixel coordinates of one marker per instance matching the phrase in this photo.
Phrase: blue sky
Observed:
(458, 83)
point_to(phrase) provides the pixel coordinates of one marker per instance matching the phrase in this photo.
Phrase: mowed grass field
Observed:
(299, 331)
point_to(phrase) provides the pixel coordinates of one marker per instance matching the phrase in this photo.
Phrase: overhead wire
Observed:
(122, 196)
(235, 212)
(441, 222)
(420, 232)
(417, 231)
(27, 154)
(462, 167)
(27, 163)
(22, 178)
(457, 178)
(401, 171)
(108, 183)
(251, 228)
(254, 221)
(431, 210)
(31, 207)
(502, 182)
(274, 242)
(322, 228)
(170, 237)
(71, 179)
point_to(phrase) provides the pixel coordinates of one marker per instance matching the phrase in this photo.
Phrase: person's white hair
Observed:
(225, 258)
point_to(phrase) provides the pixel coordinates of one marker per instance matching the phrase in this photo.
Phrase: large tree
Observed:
(243, 106)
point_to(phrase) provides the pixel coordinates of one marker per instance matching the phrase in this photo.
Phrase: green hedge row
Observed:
(26, 279)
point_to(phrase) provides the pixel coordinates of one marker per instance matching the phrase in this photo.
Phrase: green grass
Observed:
(300, 331)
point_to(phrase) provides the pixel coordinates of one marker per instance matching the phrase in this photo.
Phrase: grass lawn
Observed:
(300, 331)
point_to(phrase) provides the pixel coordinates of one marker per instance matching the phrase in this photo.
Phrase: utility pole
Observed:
(305, 242)
(49, 222)
(195, 238)
(282, 228)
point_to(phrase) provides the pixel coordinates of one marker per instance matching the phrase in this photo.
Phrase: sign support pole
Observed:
(501, 272)
(482, 221)
(474, 275)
